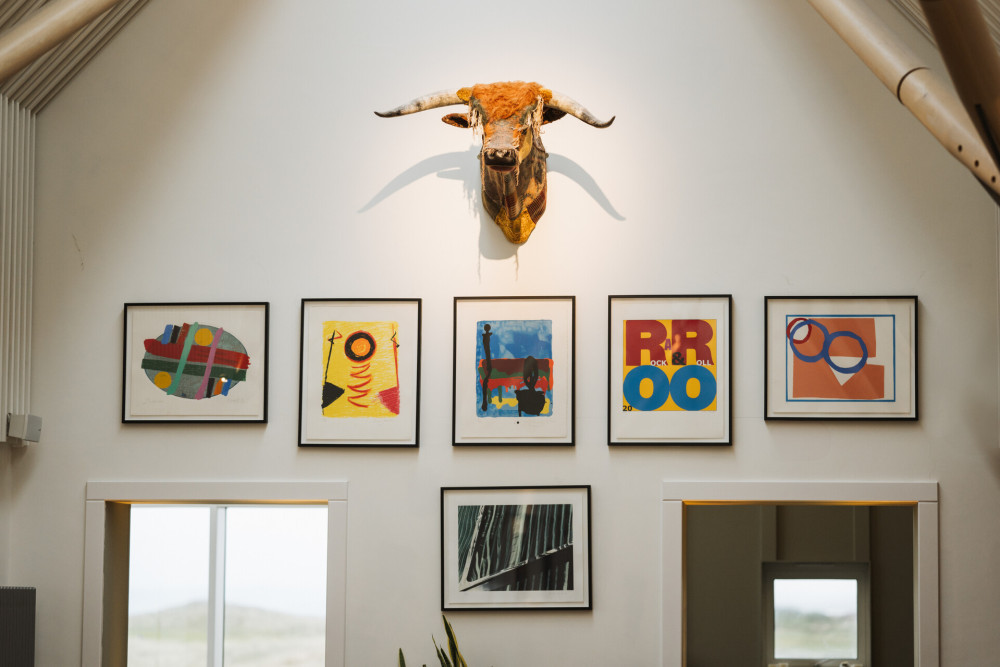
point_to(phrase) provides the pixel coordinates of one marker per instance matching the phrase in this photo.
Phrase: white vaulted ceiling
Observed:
(38, 83)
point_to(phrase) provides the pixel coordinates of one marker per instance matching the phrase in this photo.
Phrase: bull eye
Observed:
(359, 346)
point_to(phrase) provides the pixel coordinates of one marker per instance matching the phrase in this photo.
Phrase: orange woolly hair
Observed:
(502, 100)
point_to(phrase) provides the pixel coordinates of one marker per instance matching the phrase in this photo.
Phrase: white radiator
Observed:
(17, 196)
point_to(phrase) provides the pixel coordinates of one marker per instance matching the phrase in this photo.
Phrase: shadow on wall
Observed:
(464, 167)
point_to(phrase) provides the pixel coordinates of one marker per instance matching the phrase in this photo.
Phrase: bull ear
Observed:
(457, 119)
(549, 115)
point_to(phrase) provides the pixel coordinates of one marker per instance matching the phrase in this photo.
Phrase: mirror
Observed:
(730, 549)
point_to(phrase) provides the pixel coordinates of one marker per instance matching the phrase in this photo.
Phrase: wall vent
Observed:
(17, 230)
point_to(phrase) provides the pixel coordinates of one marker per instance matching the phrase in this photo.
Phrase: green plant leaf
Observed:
(402, 661)
(442, 656)
(456, 655)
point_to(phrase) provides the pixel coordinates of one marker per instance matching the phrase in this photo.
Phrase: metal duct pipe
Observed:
(44, 29)
(926, 95)
(970, 55)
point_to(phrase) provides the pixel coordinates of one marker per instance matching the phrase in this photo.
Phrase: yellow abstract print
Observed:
(360, 369)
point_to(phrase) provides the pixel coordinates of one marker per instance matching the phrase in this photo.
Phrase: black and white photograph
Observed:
(515, 547)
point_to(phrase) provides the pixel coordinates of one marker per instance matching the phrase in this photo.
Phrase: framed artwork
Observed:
(514, 370)
(195, 362)
(508, 547)
(670, 371)
(840, 357)
(359, 373)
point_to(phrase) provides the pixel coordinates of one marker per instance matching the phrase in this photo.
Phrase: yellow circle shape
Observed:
(162, 380)
(204, 337)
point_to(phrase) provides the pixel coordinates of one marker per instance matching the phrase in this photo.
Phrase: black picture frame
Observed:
(215, 374)
(550, 569)
(642, 330)
(507, 416)
(874, 376)
(382, 406)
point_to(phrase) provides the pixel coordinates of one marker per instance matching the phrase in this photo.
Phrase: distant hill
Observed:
(811, 635)
(189, 620)
(253, 638)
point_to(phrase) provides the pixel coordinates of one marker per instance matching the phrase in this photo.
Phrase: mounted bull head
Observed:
(512, 162)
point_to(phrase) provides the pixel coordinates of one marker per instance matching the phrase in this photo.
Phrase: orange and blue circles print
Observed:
(195, 361)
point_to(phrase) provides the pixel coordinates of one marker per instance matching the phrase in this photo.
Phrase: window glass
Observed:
(275, 586)
(273, 597)
(815, 618)
(168, 586)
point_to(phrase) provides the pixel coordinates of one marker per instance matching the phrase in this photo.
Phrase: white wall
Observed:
(228, 151)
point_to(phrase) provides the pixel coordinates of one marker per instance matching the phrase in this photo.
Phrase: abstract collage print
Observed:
(514, 368)
(360, 369)
(195, 361)
(840, 358)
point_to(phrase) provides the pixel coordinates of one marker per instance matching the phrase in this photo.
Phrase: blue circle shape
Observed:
(707, 391)
(814, 357)
(661, 388)
(846, 369)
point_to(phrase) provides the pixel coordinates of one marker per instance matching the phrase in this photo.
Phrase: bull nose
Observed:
(500, 156)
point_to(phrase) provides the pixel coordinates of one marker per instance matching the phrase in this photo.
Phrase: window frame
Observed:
(106, 528)
(855, 571)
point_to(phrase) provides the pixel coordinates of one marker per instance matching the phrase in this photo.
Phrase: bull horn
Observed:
(442, 98)
(574, 108)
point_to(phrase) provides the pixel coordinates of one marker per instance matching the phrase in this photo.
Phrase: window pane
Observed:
(275, 586)
(815, 618)
(168, 586)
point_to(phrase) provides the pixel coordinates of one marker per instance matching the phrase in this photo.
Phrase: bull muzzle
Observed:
(500, 159)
